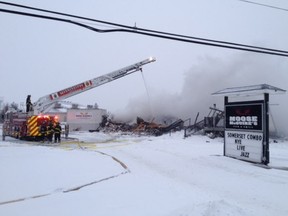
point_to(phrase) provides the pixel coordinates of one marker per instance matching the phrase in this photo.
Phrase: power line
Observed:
(147, 32)
(141, 29)
(264, 5)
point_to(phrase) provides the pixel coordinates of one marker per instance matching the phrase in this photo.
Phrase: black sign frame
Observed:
(244, 115)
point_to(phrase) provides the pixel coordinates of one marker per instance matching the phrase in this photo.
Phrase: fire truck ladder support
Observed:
(45, 103)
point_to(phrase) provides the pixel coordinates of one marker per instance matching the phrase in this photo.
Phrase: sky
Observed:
(39, 57)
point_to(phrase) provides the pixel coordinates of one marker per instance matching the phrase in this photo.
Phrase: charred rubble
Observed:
(140, 127)
(212, 125)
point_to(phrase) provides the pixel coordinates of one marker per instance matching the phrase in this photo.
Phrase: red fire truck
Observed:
(26, 125)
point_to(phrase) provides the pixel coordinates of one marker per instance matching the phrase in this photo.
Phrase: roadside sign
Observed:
(245, 130)
(247, 122)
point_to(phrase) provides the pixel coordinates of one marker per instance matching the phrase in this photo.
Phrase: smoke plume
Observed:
(209, 75)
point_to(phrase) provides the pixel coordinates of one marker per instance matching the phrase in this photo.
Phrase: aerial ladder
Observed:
(26, 125)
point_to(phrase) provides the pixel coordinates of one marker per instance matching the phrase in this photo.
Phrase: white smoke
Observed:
(209, 75)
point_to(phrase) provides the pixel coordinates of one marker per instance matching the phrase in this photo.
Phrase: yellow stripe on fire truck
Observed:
(33, 129)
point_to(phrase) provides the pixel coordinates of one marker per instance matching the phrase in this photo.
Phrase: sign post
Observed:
(266, 152)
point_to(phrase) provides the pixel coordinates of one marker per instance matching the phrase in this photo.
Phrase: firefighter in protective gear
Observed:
(57, 133)
(50, 132)
(29, 105)
(43, 129)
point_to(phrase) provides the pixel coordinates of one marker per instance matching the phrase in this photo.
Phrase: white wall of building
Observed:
(84, 119)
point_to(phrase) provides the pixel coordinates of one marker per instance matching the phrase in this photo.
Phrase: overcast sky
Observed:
(39, 56)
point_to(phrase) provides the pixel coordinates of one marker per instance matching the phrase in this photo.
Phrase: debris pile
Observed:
(141, 127)
(212, 125)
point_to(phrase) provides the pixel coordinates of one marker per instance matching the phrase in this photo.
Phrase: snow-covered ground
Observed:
(112, 174)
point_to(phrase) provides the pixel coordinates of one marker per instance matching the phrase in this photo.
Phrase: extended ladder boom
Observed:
(43, 104)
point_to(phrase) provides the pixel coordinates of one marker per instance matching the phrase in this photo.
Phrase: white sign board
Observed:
(244, 145)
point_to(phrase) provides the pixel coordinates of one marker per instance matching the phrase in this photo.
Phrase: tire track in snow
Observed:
(73, 189)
